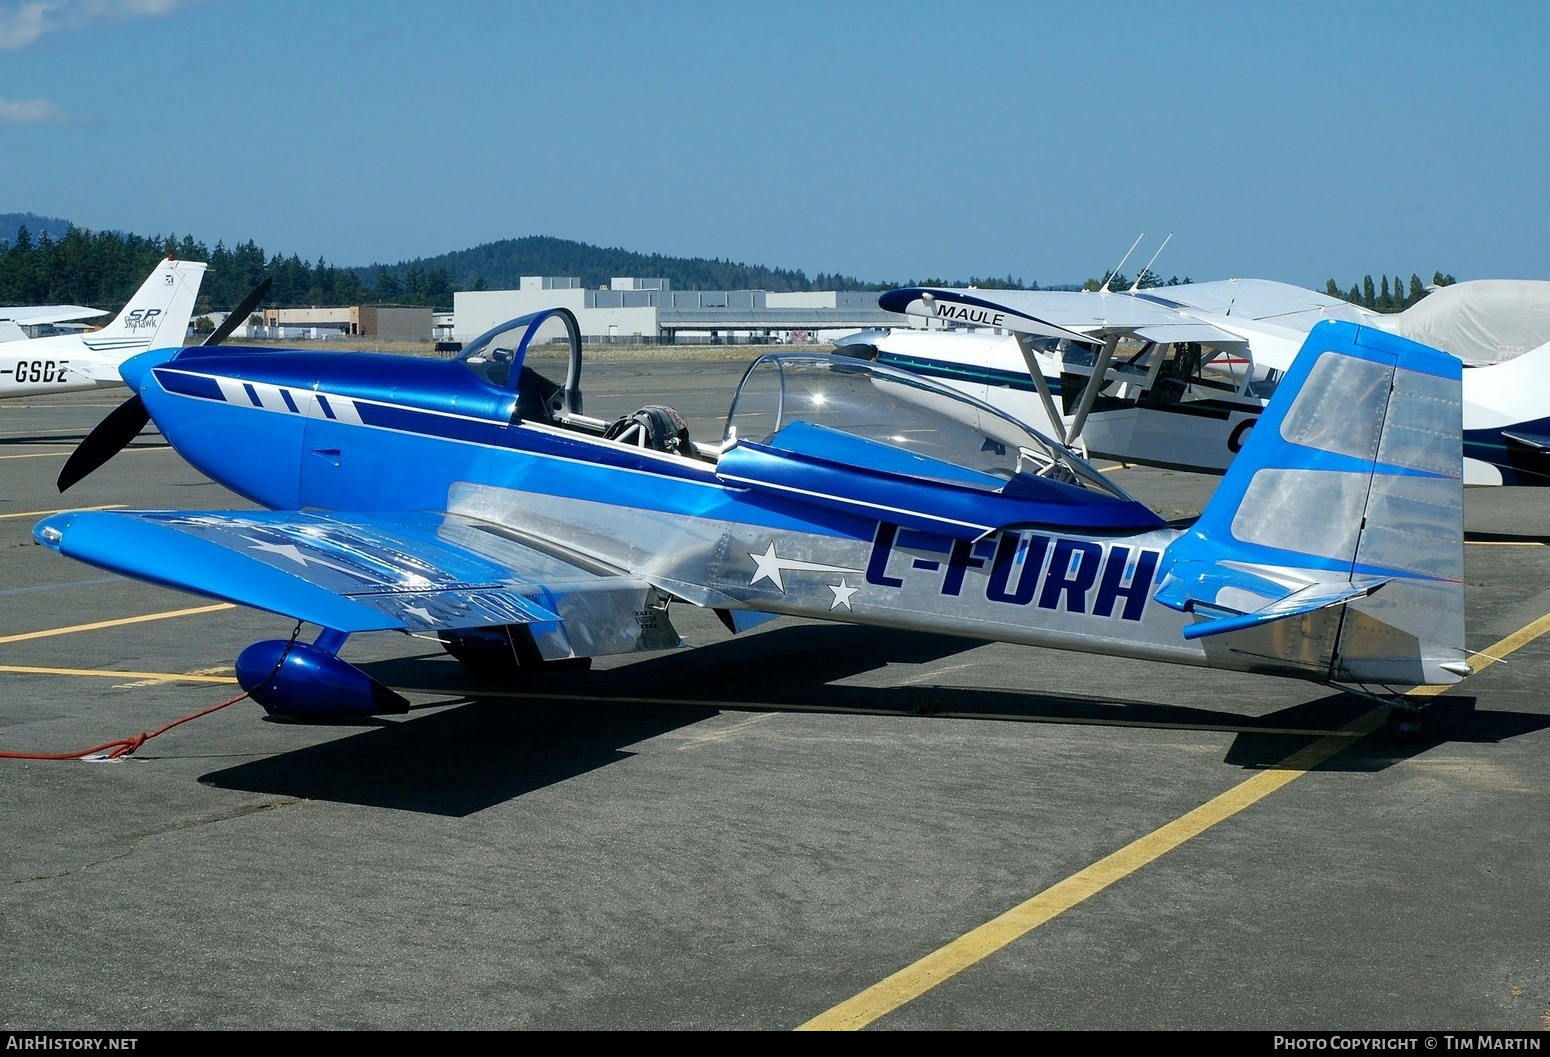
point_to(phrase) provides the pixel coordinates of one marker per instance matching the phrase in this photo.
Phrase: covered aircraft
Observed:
(1481, 321)
(1183, 372)
(155, 317)
(474, 501)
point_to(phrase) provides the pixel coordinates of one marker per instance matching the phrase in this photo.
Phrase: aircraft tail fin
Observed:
(156, 316)
(1334, 546)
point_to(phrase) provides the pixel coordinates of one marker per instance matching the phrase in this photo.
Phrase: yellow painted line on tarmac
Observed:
(67, 451)
(99, 625)
(946, 962)
(1496, 652)
(19, 434)
(61, 510)
(147, 677)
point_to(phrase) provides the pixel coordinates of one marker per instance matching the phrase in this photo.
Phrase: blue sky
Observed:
(886, 140)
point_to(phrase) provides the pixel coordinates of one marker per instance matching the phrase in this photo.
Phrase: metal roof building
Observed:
(650, 311)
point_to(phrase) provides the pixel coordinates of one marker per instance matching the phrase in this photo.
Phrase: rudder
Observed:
(157, 316)
(1334, 544)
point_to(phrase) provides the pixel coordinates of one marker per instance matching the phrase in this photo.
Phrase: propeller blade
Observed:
(109, 437)
(240, 314)
(125, 421)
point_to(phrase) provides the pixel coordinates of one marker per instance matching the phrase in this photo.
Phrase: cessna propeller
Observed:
(125, 421)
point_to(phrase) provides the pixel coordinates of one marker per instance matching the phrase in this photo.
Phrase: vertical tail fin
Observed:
(1334, 547)
(157, 316)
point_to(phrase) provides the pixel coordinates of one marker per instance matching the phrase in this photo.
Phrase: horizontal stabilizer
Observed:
(1230, 589)
(1533, 441)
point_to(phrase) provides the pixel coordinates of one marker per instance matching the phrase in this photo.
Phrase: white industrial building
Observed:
(387, 322)
(650, 311)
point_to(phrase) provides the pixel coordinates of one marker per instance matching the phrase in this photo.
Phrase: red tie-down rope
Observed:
(115, 750)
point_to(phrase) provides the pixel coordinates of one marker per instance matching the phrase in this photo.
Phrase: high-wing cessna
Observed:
(157, 316)
(1183, 372)
(472, 500)
(13, 318)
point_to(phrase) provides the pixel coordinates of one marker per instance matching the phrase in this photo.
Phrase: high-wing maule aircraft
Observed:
(157, 316)
(473, 500)
(1183, 371)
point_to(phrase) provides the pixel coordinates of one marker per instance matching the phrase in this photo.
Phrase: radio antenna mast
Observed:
(1137, 284)
(1110, 277)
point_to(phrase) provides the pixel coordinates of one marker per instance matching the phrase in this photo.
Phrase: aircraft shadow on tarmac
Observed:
(497, 744)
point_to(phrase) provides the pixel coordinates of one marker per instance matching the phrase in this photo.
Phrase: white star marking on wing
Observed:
(421, 612)
(842, 593)
(283, 550)
(769, 566)
(293, 553)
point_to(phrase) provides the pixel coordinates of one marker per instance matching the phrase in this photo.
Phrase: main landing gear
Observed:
(498, 653)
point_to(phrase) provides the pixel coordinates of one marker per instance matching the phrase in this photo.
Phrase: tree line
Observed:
(103, 269)
(1382, 298)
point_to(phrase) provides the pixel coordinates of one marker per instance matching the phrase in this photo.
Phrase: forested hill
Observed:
(12, 223)
(501, 265)
(44, 260)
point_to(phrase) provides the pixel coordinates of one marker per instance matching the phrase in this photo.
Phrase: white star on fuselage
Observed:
(842, 593)
(769, 566)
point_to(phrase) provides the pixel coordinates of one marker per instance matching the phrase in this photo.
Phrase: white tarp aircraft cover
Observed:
(1480, 320)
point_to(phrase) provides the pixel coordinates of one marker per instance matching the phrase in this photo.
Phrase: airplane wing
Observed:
(1259, 301)
(414, 572)
(1078, 315)
(35, 315)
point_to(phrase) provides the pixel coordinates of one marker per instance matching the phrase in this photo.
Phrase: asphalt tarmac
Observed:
(809, 825)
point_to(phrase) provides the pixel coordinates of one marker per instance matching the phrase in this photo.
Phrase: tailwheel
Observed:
(1404, 721)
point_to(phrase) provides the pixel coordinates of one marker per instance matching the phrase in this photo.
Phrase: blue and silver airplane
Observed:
(474, 501)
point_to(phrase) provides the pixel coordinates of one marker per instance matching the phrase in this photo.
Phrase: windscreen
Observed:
(496, 353)
(900, 409)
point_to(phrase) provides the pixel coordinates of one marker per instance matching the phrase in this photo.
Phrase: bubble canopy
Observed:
(891, 420)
